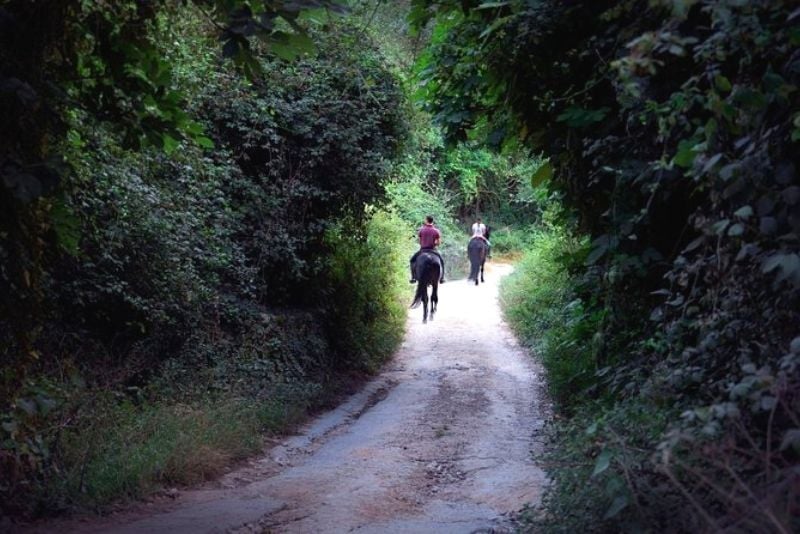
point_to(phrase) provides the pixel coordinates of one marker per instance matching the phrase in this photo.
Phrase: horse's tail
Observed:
(474, 253)
(473, 269)
(427, 273)
(422, 287)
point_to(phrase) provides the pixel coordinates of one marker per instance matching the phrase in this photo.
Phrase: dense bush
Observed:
(366, 271)
(511, 240)
(194, 295)
(413, 200)
(544, 306)
(671, 129)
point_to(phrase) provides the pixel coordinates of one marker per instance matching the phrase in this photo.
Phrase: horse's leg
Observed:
(425, 305)
(483, 263)
(434, 298)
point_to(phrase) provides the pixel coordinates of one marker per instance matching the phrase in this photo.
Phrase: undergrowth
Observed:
(212, 403)
(129, 450)
(173, 302)
(641, 446)
(545, 310)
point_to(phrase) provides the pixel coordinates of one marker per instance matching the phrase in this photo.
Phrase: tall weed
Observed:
(127, 450)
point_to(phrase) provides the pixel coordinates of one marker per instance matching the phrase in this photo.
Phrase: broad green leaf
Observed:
(292, 46)
(542, 175)
(722, 83)
(193, 128)
(788, 266)
(720, 226)
(204, 142)
(602, 463)
(687, 152)
(736, 229)
(169, 143)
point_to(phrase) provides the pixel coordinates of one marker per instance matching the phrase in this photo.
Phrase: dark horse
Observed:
(427, 269)
(476, 250)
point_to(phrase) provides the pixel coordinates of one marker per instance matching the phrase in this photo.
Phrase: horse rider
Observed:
(429, 239)
(479, 230)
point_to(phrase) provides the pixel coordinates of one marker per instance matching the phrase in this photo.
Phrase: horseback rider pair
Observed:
(429, 239)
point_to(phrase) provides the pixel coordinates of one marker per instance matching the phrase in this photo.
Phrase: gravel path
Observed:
(443, 440)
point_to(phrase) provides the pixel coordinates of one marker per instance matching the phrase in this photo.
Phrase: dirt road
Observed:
(441, 441)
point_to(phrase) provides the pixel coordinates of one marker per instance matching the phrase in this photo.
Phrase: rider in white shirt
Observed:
(479, 230)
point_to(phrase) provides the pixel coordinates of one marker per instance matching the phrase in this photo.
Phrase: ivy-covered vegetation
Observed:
(671, 338)
(168, 298)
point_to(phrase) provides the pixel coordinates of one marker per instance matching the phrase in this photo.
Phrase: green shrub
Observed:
(542, 305)
(210, 404)
(511, 239)
(202, 275)
(368, 275)
(590, 461)
(679, 156)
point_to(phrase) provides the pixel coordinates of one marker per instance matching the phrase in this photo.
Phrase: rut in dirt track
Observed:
(444, 440)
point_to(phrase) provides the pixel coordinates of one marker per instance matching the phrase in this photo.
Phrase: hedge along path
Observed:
(445, 439)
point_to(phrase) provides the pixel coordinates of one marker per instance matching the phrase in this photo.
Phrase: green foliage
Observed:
(545, 310)
(107, 62)
(415, 192)
(128, 450)
(368, 275)
(669, 127)
(512, 240)
(597, 451)
(492, 184)
(182, 291)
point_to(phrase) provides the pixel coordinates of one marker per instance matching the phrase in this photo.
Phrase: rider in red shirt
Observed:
(429, 238)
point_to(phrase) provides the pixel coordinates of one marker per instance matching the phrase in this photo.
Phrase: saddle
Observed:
(432, 254)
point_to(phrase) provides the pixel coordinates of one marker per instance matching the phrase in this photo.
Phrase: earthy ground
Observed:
(444, 440)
